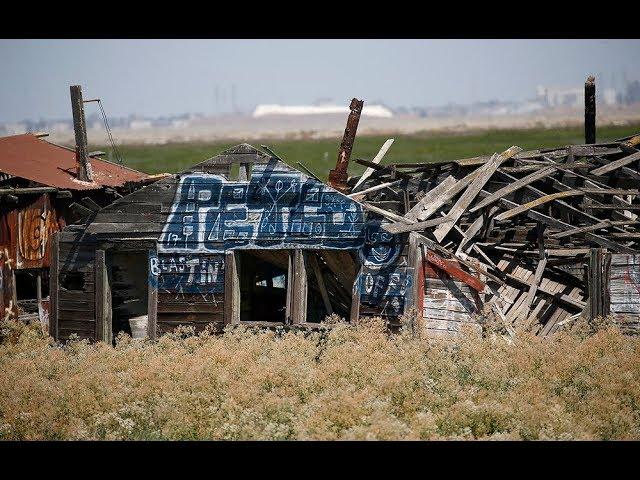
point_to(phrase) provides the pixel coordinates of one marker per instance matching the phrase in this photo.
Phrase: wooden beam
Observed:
(377, 159)
(375, 188)
(435, 192)
(152, 302)
(84, 171)
(591, 228)
(104, 328)
(299, 288)
(611, 166)
(231, 289)
(521, 182)
(338, 176)
(590, 110)
(595, 284)
(313, 260)
(472, 191)
(454, 271)
(403, 227)
(54, 285)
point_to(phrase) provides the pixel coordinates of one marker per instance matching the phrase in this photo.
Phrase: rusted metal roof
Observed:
(29, 157)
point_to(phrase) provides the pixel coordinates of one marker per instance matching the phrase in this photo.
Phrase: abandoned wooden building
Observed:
(270, 247)
(40, 193)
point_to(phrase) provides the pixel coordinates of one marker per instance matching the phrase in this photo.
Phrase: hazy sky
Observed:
(160, 77)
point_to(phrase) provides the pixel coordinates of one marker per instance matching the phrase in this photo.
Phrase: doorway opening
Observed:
(263, 285)
(128, 282)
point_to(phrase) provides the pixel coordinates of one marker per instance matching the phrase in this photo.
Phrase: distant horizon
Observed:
(165, 78)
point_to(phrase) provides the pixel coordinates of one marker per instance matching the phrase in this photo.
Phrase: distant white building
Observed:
(378, 111)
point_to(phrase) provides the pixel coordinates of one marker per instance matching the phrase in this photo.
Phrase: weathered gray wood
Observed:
(377, 159)
(152, 302)
(472, 191)
(435, 192)
(299, 287)
(591, 228)
(616, 164)
(103, 308)
(375, 188)
(313, 260)
(521, 182)
(525, 308)
(84, 171)
(54, 285)
(403, 227)
(437, 202)
(474, 228)
(595, 284)
(231, 289)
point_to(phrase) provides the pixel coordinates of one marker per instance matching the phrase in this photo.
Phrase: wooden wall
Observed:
(624, 291)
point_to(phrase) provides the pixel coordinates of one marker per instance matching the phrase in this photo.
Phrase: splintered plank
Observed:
(472, 191)
(432, 194)
(439, 200)
(531, 294)
(494, 197)
(402, 227)
(616, 164)
(591, 228)
(377, 159)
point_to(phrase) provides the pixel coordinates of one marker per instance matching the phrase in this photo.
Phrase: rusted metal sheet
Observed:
(29, 157)
(338, 176)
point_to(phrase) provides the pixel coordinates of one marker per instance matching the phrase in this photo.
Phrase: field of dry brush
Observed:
(352, 382)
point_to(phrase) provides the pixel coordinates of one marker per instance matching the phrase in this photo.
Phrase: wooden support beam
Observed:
(84, 171)
(403, 227)
(591, 228)
(54, 284)
(313, 261)
(595, 284)
(338, 176)
(103, 307)
(299, 288)
(590, 110)
(152, 301)
(231, 289)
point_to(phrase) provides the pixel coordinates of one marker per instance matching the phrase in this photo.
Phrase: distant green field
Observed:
(320, 155)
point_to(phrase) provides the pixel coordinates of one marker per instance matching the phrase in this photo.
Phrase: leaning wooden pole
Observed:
(590, 110)
(338, 176)
(83, 163)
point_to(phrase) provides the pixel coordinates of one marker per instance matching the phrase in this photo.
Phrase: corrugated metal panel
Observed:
(29, 157)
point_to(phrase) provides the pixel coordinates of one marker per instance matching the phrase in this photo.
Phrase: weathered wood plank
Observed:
(377, 159)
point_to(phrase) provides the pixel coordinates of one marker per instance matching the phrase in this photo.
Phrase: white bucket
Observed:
(138, 326)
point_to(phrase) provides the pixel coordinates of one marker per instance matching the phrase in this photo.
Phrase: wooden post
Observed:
(231, 289)
(590, 110)
(104, 328)
(299, 288)
(54, 285)
(84, 171)
(355, 298)
(313, 260)
(338, 176)
(152, 300)
(595, 284)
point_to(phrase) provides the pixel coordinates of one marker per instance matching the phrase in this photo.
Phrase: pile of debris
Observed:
(525, 222)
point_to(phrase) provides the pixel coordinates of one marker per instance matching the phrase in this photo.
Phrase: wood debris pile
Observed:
(525, 224)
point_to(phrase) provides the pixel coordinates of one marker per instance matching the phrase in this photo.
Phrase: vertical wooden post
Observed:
(80, 130)
(54, 285)
(595, 284)
(104, 328)
(355, 298)
(606, 284)
(313, 260)
(231, 289)
(338, 176)
(300, 288)
(590, 110)
(152, 298)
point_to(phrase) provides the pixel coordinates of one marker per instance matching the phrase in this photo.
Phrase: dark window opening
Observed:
(263, 285)
(28, 292)
(72, 280)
